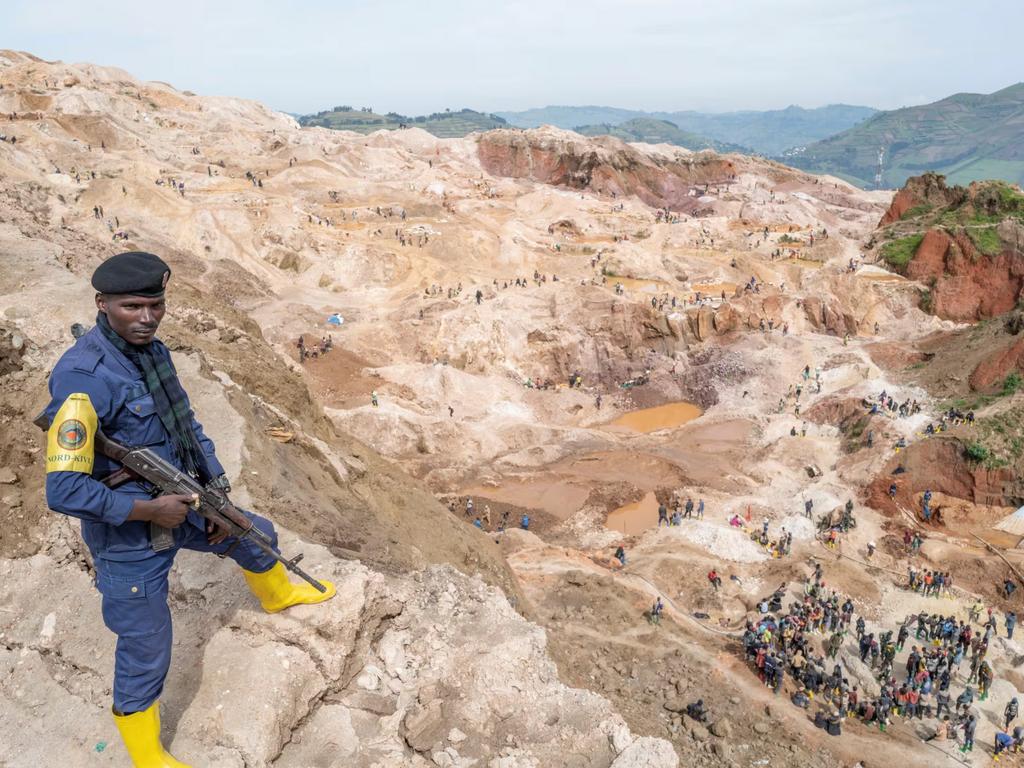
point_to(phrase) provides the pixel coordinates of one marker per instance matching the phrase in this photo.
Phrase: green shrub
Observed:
(898, 253)
(986, 240)
(1012, 383)
(977, 452)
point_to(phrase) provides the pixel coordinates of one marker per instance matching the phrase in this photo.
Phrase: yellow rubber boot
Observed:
(141, 734)
(276, 592)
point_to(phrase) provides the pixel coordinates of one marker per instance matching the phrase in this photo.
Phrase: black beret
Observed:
(134, 272)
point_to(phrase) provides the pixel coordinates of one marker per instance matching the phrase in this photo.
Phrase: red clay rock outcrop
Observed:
(991, 372)
(927, 189)
(966, 285)
(604, 165)
(938, 464)
(967, 281)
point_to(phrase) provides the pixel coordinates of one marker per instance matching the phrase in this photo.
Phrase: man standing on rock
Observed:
(119, 379)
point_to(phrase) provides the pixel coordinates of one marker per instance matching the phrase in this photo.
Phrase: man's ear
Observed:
(101, 302)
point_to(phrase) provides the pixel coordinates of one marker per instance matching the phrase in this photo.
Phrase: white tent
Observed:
(1012, 523)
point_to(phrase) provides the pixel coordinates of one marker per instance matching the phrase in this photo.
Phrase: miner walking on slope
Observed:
(118, 378)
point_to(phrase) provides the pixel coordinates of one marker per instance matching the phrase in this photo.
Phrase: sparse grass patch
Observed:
(972, 403)
(898, 253)
(1011, 200)
(926, 300)
(1000, 435)
(917, 210)
(986, 240)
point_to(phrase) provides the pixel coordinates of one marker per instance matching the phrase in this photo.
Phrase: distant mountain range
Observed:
(445, 124)
(967, 137)
(652, 131)
(771, 132)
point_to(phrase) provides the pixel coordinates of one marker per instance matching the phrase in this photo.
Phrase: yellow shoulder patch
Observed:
(70, 442)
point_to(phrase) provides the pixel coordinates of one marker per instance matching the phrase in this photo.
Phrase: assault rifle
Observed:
(214, 505)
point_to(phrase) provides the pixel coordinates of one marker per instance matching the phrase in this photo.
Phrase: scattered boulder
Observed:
(675, 704)
(721, 729)
(647, 752)
(424, 726)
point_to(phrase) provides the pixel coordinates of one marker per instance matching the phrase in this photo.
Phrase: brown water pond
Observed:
(665, 416)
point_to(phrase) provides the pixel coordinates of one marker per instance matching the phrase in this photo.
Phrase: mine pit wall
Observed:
(616, 169)
(939, 465)
(966, 285)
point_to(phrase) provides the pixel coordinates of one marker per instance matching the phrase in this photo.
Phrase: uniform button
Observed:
(135, 589)
(138, 408)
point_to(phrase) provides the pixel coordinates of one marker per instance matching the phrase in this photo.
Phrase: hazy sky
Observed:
(415, 56)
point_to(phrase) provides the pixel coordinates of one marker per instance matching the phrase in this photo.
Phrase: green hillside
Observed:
(445, 125)
(770, 132)
(654, 131)
(967, 137)
(774, 131)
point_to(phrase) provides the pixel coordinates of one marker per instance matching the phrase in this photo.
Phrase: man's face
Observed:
(133, 318)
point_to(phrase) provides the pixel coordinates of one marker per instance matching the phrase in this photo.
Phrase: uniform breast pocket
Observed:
(141, 425)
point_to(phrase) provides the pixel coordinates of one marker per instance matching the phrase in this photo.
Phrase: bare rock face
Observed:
(392, 671)
(726, 319)
(927, 189)
(966, 285)
(705, 322)
(991, 372)
(12, 348)
(424, 726)
(278, 683)
(604, 165)
(647, 753)
(828, 316)
(814, 311)
(958, 477)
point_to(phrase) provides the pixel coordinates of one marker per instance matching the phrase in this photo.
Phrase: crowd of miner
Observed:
(930, 671)
(804, 642)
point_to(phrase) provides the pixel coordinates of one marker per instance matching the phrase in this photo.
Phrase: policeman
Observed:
(118, 377)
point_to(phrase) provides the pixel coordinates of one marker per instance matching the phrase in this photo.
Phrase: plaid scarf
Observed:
(170, 399)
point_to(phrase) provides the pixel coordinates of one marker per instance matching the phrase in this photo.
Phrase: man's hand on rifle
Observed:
(215, 532)
(167, 511)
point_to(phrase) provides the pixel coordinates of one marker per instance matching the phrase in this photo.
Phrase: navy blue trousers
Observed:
(135, 609)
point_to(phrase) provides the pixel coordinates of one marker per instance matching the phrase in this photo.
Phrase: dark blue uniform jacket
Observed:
(127, 415)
